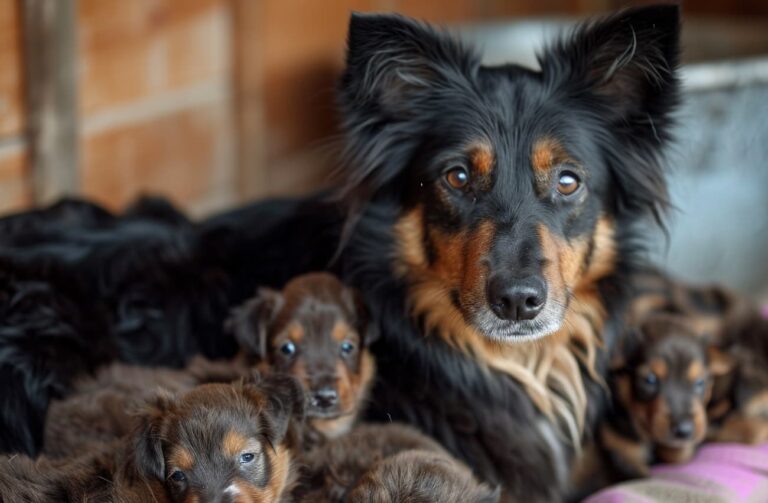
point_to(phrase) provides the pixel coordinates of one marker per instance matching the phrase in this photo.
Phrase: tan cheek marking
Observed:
(340, 331)
(280, 461)
(482, 159)
(552, 272)
(659, 367)
(233, 443)
(475, 274)
(658, 419)
(603, 260)
(410, 239)
(695, 371)
(295, 332)
(181, 458)
(699, 422)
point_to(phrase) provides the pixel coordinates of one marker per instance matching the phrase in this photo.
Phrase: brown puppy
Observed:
(317, 330)
(216, 442)
(661, 384)
(390, 463)
(100, 408)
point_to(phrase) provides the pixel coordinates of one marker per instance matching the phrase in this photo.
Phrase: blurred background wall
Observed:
(210, 102)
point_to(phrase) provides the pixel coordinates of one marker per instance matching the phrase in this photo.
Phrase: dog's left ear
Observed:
(249, 322)
(285, 401)
(364, 323)
(147, 441)
(623, 68)
(397, 72)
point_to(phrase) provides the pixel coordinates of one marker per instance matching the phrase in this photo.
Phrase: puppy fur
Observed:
(387, 464)
(318, 331)
(216, 442)
(661, 383)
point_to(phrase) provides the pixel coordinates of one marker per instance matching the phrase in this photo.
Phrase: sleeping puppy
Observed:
(389, 463)
(317, 330)
(661, 384)
(217, 442)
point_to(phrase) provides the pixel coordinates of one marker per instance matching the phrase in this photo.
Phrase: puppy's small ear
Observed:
(720, 362)
(629, 344)
(147, 442)
(249, 322)
(364, 324)
(285, 401)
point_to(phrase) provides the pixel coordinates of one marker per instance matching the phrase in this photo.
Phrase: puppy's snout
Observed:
(516, 299)
(683, 429)
(325, 398)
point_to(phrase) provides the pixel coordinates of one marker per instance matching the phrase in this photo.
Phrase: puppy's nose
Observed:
(513, 299)
(683, 430)
(325, 398)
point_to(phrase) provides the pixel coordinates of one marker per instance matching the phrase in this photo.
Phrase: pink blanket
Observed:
(720, 473)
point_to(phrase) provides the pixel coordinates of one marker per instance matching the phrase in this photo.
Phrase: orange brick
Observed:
(178, 155)
(14, 180)
(11, 101)
(131, 50)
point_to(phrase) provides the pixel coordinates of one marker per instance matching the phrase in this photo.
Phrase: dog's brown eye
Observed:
(457, 177)
(568, 183)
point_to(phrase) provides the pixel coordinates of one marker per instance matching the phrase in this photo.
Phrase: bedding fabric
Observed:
(719, 473)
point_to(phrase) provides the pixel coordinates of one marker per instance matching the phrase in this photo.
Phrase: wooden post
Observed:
(50, 47)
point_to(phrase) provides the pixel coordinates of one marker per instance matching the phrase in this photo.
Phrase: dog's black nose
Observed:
(683, 430)
(325, 398)
(517, 299)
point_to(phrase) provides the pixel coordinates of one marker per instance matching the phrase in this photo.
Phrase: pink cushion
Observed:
(719, 473)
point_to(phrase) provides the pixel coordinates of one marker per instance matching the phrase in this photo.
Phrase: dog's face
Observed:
(317, 330)
(511, 182)
(220, 442)
(666, 382)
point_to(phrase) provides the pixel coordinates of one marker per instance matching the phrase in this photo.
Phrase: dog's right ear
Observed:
(148, 443)
(249, 322)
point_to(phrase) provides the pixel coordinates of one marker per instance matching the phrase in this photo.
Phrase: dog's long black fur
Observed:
(412, 101)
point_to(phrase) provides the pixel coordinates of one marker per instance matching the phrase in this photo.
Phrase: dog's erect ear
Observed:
(396, 71)
(250, 321)
(627, 347)
(720, 362)
(285, 400)
(624, 67)
(628, 58)
(148, 444)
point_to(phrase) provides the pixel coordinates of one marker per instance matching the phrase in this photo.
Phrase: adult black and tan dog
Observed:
(492, 228)
(489, 217)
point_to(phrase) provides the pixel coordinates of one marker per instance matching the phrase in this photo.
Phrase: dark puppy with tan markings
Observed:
(389, 463)
(216, 443)
(661, 383)
(317, 330)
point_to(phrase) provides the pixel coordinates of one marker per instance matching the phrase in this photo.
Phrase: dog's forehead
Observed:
(679, 351)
